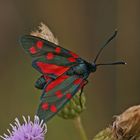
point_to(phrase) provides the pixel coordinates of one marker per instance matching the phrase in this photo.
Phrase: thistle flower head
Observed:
(27, 131)
(126, 125)
(45, 33)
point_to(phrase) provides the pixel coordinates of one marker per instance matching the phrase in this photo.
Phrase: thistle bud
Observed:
(74, 108)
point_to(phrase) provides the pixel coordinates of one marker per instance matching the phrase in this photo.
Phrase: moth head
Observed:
(93, 67)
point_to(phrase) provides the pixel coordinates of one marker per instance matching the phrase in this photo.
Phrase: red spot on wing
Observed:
(50, 56)
(77, 81)
(57, 49)
(53, 108)
(32, 50)
(39, 44)
(68, 96)
(45, 106)
(56, 82)
(51, 68)
(71, 59)
(59, 94)
(74, 54)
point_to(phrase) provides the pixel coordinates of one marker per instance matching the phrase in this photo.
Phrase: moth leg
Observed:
(80, 96)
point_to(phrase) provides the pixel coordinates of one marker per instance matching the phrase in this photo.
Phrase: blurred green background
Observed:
(81, 26)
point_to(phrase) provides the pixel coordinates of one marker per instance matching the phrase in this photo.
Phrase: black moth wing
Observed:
(46, 55)
(54, 99)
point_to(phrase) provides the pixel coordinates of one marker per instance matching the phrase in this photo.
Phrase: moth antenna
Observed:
(113, 63)
(105, 44)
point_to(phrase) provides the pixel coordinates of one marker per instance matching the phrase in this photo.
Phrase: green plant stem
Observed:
(80, 128)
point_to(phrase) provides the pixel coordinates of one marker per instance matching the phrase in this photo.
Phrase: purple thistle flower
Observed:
(27, 131)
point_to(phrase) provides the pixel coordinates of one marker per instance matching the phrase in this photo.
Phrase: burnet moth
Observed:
(64, 73)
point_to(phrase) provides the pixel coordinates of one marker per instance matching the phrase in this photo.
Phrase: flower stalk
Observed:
(80, 128)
